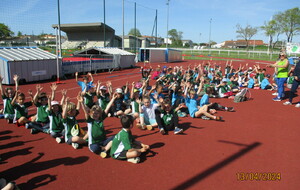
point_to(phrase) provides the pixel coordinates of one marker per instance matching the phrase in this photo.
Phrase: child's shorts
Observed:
(148, 121)
(9, 116)
(69, 141)
(122, 155)
(96, 147)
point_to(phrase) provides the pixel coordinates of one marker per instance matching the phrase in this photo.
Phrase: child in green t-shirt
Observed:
(40, 100)
(124, 146)
(55, 117)
(21, 109)
(7, 96)
(290, 80)
(167, 118)
(102, 95)
(97, 141)
(70, 111)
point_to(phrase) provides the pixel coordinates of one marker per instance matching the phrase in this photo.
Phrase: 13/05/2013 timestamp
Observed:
(258, 176)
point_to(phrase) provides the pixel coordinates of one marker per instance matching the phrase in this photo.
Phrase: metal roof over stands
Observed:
(24, 53)
(96, 26)
(103, 50)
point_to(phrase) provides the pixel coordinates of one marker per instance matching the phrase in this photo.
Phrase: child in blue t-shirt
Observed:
(191, 102)
(265, 84)
(212, 106)
(87, 82)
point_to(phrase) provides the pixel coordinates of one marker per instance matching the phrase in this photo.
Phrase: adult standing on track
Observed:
(296, 83)
(282, 74)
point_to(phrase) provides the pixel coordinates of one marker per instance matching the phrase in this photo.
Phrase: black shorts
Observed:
(122, 155)
(268, 87)
(69, 141)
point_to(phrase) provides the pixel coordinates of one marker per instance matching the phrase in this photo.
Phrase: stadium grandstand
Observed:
(86, 35)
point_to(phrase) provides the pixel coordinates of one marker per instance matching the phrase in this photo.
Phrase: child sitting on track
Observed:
(191, 102)
(20, 107)
(265, 83)
(147, 113)
(124, 146)
(7, 96)
(40, 100)
(70, 111)
(213, 106)
(87, 82)
(55, 117)
(102, 95)
(97, 141)
(167, 118)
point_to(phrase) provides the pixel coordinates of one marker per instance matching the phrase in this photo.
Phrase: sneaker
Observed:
(103, 154)
(58, 140)
(219, 118)
(142, 127)
(162, 131)
(297, 105)
(181, 114)
(177, 130)
(205, 117)
(149, 127)
(276, 99)
(47, 131)
(230, 109)
(27, 126)
(287, 103)
(75, 145)
(34, 131)
(275, 94)
(134, 160)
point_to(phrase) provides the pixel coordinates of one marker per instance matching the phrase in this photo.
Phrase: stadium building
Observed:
(86, 35)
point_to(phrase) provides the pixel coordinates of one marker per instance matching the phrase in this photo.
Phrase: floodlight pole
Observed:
(200, 39)
(123, 25)
(209, 32)
(58, 54)
(167, 24)
(135, 28)
(156, 29)
(104, 23)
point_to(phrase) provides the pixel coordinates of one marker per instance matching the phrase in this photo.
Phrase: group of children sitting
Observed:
(174, 92)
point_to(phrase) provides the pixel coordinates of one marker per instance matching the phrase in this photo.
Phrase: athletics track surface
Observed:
(262, 136)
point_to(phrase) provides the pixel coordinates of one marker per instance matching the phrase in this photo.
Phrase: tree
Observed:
(132, 32)
(272, 29)
(176, 37)
(5, 32)
(19, 34)
(289, 22)
(246, 33)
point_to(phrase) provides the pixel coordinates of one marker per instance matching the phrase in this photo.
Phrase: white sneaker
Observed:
(75, 145)
(58, 140)
(275, 94)
(134, 160)
(287, 103)
(297, 105)
(103, 154)
(162, 131)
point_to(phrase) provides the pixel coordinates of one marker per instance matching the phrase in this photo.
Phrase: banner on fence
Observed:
(293, 48)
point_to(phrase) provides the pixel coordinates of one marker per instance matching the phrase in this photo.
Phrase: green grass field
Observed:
(197, 55)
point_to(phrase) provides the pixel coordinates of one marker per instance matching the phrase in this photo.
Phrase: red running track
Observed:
(261, 137)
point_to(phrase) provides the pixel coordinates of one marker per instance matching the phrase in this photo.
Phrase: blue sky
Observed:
(192, 17)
